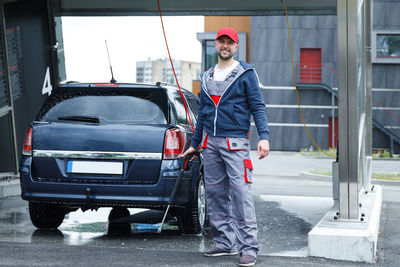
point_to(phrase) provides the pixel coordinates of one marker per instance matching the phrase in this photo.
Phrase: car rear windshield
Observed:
(105, 109)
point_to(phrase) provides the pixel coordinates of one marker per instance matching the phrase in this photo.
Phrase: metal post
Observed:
(353, 126)
(391, 146)
(342, 112)
(368, 95)
(368, 77)
(9, 89)
(348, 115)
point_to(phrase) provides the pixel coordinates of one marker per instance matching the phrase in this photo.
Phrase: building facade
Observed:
(160, 70)
(314, 43)
(314, 46)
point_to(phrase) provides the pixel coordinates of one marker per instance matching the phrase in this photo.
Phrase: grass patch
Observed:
(377, 153)
(378, 176)
(386, 176)
(316, 153)
(327, 173)
(384, 153)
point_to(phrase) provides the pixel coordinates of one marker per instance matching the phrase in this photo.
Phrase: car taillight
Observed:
(174, 144)
(28, 143)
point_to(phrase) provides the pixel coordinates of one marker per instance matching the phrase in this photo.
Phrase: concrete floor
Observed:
(288, 205)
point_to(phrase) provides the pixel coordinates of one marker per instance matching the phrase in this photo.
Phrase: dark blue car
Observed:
(112, 145)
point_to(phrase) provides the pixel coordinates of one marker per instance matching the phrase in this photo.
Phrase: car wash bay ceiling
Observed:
(192, 7)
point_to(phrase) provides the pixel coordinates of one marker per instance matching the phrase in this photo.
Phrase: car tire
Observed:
(46, 215)
(192, 219)
(116, 227)
(117, 213)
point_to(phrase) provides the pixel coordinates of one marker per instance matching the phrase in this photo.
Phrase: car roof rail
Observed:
(69, 82)
(170, 85)
(165, 84)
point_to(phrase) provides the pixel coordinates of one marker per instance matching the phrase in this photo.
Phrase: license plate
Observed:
(95, 167)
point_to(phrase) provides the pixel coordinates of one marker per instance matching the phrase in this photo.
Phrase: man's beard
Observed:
(228, 57)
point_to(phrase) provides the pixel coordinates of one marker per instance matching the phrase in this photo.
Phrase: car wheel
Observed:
(116, 227)
(191, 219)
(118, 213)
(46, 215)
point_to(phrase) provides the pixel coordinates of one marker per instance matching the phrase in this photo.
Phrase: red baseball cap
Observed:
(231, 33)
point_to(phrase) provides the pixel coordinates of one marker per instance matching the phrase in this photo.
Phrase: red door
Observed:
(310, 65)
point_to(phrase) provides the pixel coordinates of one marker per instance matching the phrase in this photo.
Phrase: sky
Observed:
(129, 39)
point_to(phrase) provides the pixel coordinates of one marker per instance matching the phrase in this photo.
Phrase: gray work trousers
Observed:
(230, 205)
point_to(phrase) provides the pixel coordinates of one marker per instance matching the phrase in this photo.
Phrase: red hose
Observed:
(173, 69)
(385, 109)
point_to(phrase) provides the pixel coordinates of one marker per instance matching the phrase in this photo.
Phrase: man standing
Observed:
(230, 92)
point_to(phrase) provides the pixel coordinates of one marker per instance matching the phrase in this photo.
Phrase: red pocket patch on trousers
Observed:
(247, 165)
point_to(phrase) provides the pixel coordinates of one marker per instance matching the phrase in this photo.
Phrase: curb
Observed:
(10, 188)
(388, 159)
(385, 182)
(319, 177)
(373, 159)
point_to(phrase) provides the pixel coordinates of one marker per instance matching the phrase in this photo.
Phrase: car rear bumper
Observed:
(102, 200)
(94, 193)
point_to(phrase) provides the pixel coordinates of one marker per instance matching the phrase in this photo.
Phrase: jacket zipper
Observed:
(216, 106)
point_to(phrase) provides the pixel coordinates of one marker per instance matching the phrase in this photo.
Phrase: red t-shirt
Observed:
(216, 99)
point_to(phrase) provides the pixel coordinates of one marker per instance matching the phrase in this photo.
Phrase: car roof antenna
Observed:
(109, 61)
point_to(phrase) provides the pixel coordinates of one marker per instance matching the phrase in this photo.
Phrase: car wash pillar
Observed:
(28, 72)
(355, 129)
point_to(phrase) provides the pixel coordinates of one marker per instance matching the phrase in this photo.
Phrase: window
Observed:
(194, 105)
(108, 109)
(386, 47)
(180, 110)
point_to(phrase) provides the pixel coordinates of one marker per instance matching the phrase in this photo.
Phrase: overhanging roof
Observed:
(192, 7)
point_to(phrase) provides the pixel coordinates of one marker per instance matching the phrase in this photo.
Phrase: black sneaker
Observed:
(216, 252)
(247, 260)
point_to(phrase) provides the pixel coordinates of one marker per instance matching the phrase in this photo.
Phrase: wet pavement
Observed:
(288, 206)
(282, 224)
(92, 228)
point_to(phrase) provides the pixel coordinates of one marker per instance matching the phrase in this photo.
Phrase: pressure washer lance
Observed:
(185, 162)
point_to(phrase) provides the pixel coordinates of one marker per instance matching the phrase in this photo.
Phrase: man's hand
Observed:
(189, 151)
(263, 149)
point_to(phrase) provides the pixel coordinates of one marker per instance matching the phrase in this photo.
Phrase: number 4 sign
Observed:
(47, 88)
